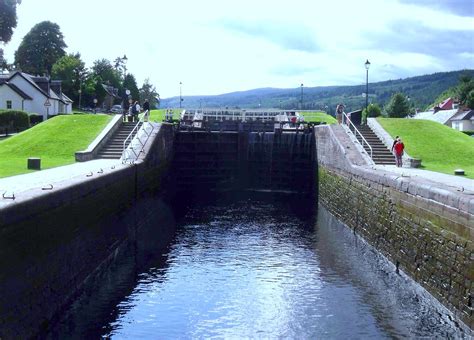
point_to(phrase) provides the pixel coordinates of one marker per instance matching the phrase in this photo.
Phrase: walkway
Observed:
(456, 182)
(45, 178)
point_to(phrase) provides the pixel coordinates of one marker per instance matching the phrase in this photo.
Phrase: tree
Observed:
(148, 91)
(466, 85)
(109, 75)
(8, 19)
(131, 84)
(71, 70)
(373, 110)
(8, 22)
(41, 48)
(398, 106)
(470, 100)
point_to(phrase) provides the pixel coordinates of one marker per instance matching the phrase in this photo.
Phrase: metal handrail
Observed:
(358, 132)
(135, 133)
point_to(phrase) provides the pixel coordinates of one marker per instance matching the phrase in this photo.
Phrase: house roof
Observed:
(447, 104)
(465, 115)
(17, 90)
(111, 91)
(441, 116)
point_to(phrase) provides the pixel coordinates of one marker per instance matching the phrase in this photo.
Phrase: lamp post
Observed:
(180, 94)
(367, 65)
(301, 104)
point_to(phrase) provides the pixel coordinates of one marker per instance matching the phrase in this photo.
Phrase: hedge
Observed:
(469, 132)
(14, 119)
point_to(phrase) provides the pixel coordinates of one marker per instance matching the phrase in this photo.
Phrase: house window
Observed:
(9, 104)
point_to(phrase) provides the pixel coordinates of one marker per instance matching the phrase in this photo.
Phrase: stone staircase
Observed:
(114, 147)
(380, 153)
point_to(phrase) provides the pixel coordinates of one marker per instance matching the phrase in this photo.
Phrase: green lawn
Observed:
(54, 141)
(318, 116)
(159, 115)
(440, 148)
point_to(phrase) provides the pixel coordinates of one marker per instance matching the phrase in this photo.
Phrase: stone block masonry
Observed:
(52, 241)
(426, 231)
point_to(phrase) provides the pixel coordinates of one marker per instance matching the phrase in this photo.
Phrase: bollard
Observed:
(34, 163)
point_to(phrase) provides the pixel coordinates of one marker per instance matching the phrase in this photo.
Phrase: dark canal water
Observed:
(253, 268)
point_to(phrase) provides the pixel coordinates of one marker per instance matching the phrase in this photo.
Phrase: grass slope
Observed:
(440, 148)
(54, 141)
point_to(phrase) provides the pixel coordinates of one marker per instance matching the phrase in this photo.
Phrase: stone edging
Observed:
(98, 142)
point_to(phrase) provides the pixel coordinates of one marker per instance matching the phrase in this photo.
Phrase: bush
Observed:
(35, 119)
(14, 119)
(469, 132)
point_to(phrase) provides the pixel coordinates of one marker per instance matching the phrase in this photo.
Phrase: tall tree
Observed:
(8, 22)
(71, 70)
(148, 91)
(398, 106)
(40, 48)
(109, 75)
(465, 87)
(8, 19)
(130, 84)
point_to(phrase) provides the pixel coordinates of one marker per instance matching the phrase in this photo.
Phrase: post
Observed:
(180, 94)
(367, 65)
(301, 104)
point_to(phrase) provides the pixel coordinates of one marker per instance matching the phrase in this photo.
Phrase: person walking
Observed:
(339, 111)
(393, 144)
(399, 147)
(146, 109)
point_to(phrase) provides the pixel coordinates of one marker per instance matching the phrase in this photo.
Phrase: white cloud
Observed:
(265, 43)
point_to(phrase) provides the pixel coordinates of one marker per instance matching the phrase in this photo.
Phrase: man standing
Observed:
(399, 147)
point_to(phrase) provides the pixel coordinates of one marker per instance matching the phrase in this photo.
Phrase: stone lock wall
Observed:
(425, 229)
(423, 238)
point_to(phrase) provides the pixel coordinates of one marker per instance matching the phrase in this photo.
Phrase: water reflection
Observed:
(259, 268)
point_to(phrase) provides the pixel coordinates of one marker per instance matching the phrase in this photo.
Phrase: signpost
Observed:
(47, 104)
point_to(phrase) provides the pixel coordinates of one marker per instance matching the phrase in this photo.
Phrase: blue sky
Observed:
(215, 47)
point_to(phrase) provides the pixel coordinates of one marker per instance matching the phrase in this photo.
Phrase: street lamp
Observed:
(124, 60)
(301, 97)
(180, 94)
(367, 65)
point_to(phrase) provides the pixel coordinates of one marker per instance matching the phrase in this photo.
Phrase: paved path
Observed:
(43, 178)
(458, 182)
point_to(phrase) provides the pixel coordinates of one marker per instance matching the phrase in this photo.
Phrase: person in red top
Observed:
(398, 148)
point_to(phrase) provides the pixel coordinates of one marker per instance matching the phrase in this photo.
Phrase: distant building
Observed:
(33, 94)
(111, 96)
(463, 121)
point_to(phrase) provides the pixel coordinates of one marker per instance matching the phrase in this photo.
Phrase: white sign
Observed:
(47, 102)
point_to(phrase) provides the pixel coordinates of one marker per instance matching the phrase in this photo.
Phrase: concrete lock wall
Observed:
(52, 242)
(425, 230)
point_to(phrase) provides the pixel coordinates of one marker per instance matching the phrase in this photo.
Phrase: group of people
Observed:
(397, 150)
(169, 115)
(134, 109)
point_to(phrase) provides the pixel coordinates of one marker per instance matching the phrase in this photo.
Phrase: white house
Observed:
(33, 94)
(463, 121)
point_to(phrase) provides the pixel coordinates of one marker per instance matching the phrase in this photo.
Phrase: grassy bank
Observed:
(55, 141)
(440, 148)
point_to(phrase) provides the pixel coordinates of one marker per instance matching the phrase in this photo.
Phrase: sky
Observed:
(221, 46)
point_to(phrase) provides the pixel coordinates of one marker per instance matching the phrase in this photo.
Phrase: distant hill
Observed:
(422, 91)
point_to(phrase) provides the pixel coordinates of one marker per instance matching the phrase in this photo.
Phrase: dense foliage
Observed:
(398, 106)
(40, 49)
(71, 70)
(148, 91)
(8, 19)
(14, 119)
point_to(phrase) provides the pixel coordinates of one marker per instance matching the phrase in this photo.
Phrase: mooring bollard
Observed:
(34, 163)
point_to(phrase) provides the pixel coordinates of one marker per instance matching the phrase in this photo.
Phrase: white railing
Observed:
(356, 132)
(129, 153)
